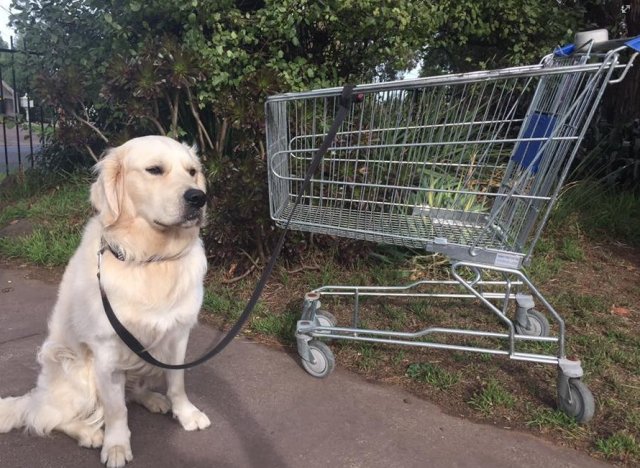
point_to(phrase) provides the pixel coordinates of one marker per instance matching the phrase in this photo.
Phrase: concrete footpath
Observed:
(265, 412)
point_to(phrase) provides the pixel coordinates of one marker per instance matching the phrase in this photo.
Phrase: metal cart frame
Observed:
(466, 165)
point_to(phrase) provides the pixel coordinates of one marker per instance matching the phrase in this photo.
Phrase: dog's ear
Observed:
(107, 190)
(193, 149)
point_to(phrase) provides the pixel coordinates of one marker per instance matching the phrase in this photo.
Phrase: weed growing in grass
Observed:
(17, 211)
(486, 357)
(620, 445)
(600, 353)
(538, 347)
(544, 268)
(460, 356)
(329, 275)
(221, 304)
(633, 418)
(601, 211)
(18, 187)
(285, 278)
(397, 315)
(50, 247)
(544, 246)
(368, 357)
(399, 357)
(421, 309)
(582, 305)
(554, 419)
(433, 375)
(491, 396)
(281, 327)
(58, 216)
(571, 249)
(68, 201)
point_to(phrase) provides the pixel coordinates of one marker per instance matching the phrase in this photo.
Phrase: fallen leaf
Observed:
(620, 311)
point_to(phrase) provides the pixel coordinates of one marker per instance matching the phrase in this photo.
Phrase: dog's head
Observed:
(153, 179)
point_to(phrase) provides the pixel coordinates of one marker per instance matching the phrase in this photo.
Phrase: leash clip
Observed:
(103, 245)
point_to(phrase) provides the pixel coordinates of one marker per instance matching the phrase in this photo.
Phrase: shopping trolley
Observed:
(466, 165)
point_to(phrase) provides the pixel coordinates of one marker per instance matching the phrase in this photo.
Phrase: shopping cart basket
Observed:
(466, 165)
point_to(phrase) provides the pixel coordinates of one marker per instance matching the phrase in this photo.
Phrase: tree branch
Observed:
(238, 278)
(202, 131)
(93, 155)
(90, 125)
(222, 136)
(156, 122)
(174, 113)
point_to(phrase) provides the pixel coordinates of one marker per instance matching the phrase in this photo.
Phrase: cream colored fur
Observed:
(85, 368)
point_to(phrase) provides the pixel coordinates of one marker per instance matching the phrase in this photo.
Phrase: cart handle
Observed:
(604, 46)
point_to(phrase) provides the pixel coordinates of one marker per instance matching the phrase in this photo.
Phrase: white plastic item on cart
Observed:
(583, 38)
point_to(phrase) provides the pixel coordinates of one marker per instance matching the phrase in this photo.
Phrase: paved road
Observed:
(265, 412)
(11, 158)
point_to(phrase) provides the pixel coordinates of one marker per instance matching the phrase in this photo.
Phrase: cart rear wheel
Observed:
(576, 400)
(324, 363)
(326, 319)
(537, 325)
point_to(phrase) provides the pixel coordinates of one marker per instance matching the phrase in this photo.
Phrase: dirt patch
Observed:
(17, 228)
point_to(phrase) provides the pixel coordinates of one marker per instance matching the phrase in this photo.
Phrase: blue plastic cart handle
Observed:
(565, 50)
(634, 43)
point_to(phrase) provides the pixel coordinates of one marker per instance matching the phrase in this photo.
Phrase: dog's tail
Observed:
(13, 412)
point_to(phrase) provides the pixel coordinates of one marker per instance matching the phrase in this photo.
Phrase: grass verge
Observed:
(56, 215)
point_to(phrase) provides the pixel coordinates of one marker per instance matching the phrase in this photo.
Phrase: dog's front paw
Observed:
(193, 419)
(116, 456)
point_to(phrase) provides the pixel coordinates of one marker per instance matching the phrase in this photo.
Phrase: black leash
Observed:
(137, 347)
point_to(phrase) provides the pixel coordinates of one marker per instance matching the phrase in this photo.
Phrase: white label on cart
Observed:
(507, 261)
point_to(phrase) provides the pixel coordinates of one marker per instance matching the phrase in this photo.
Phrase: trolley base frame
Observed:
(315, 325)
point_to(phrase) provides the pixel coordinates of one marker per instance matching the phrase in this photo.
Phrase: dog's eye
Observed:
(192, 172)
(155, 170)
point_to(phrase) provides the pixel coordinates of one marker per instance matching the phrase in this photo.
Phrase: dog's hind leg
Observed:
(153, 401)
(13, 412)
(86, 434)
(139, 391)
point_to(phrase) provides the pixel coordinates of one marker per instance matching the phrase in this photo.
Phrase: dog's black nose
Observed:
(195, 198)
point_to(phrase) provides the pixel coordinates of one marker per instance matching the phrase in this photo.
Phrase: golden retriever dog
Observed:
(149, 198)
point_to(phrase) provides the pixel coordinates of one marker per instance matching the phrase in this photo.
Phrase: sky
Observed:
(4, 19)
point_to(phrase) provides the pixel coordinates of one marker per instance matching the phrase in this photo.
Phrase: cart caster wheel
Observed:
(575, 399)
(326, 319)
(323, 357)
(537, 325)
